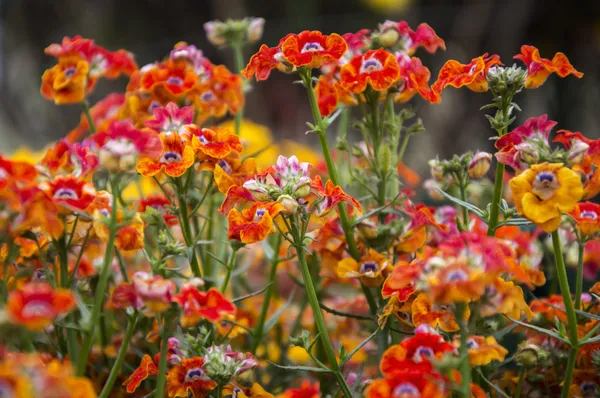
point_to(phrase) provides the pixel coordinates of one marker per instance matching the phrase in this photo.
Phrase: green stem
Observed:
(64, 282)
(230, 265)
(579, 280)
(311, 294)
(238, 56)
(403, 146)
(463, 196)
(88, 115)
(465, 366)
(333, 175)
(187, 230)
(101, 287)
(207, 260)
(495, 206)
(561, 274)
(162, 364)
(259, 330)
(114, 372)
(520, 382)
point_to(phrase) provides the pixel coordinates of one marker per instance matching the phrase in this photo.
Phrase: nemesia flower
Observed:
(67, 81)
(472, 75)
(15, 173)
(231, 171)
(330, 196)
(377, 68)
(233, 330)
(198, 305)
(158, 203)
(579, 146)
(424, 312)
(189, 377)
(306, 390)
(405, 384)
(175, 159)
(409, 40)
(325, 92)
(146, 369)
(401, 280)
(538, 68)
(37, 305)
(125, 296)
(504, 297)
(155, 291)
(192, 55)
(586, 216)
(39, 211)
(219, 94)
(456, 282)
(590, 177)
(69, 193)
(212, 143)
(170, 118)
(121, 144)
(311, 49)
(173, 77)
(415, 232)
(544, 191)
(253, 224)
(414, 78)
(102, 113)
(265, 60)
(483, 350)
(550, 307)
(369, 269)
(256, 391)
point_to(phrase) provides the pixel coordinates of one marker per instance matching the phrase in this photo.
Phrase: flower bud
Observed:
(480, 164)
(528, 355)
(302, 189)
(578, 151)
(259, 192)
(436, 170)
(290, 204)
(389, 38)
(215, 32)
(255, 29)
(528, 153)
(384, 159)
(368, 229)
(433, 189)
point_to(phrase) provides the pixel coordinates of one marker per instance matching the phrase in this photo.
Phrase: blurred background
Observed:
(150, 28)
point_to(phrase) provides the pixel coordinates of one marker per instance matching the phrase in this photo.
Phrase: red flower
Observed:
(212, 143)
(409, 384)
(473, 75)
(414, 78)
(36, 305)
(235, 195)
(15, 173)
(356, 41)
(311, 49)
(174, 77)
(103, 113)
(198, 305)
(67, 82)
(189, 377)
(170, 118)
(220, 93)
(378, 68)
(158, 203)
(175, 159)
(265, 60)
(147, 368)
(330, 196)
(538, 68)
(424, 37)
(326, 96)
(306, 390)
(69, 192)
(37, 210)
(401, 281)
(587, 216)
(253, 224)
(573, 140)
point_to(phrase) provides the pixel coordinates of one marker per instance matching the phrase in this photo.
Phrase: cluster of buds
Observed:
(474, 165)
(234, 32)
(506, 80)
(288, 183)
(531, 355)
(222, 364)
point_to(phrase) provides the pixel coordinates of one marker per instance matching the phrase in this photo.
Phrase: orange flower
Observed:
(312, 49)
(256, 391)
(425, 312)
(241, 317)
(326, 95)
(220, 93)
(36, 305)
(306, 390)
(103, 113)
(155, 291)
(69, 193)
(265, 60)
(378, 68)
(253, 224)
(175, 159)
(538, 68)
(147, 368)
(198, 305)
(402, 279)
(38, 211)
(212, 143)
(229, 172)
(407, 384)
(189, 377)
(457, 282)
(415, 233)
(15, 173)
(331, 195)
(67, 82)
(586, 215)
(483, 350)
(550, 307)
(414, 78)
(473, 75)
(173, 77)
(369, 270)
(505, 298)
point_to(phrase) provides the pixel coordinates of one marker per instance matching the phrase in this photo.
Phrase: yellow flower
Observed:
(25, 154)
(483, 350)
(298, 355)
(545, 191)
(369, 270)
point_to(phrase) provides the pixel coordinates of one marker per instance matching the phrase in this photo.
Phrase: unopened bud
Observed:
(528, 153)
(433, 189)
(368, 229)
(528, 355)
(290, 205)
(389, 38)
(384, 159)
(480, 165)
(578, 151)
(255, 30)
(436, 170)
(259, 193)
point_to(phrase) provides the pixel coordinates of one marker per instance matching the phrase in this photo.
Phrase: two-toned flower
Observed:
(197, 305)
(471, 75)
(538, 68)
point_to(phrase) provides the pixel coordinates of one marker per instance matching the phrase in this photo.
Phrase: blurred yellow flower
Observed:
(25, 154)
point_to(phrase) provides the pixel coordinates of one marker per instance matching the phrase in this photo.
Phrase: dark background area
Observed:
(150, 28)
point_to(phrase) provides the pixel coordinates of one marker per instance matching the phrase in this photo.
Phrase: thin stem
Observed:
(238, 56)
(403, 146)
(114, 372)
(207, 260)
(561, 274)
(463, 196)
(64, 282)
(579, 280)
(230, 265)
(162, 364)
(187, 230)
(520, 382)
(311, 294)
(495, 206)
(259, 330)
(101, 287)
(465, 366)
(88, 115)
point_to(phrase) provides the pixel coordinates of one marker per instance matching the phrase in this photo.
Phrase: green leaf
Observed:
(515, 221)
(301, 368)
(462, 203)
(373, 212)
(358, 347)
(503, 332)
(541, 330)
